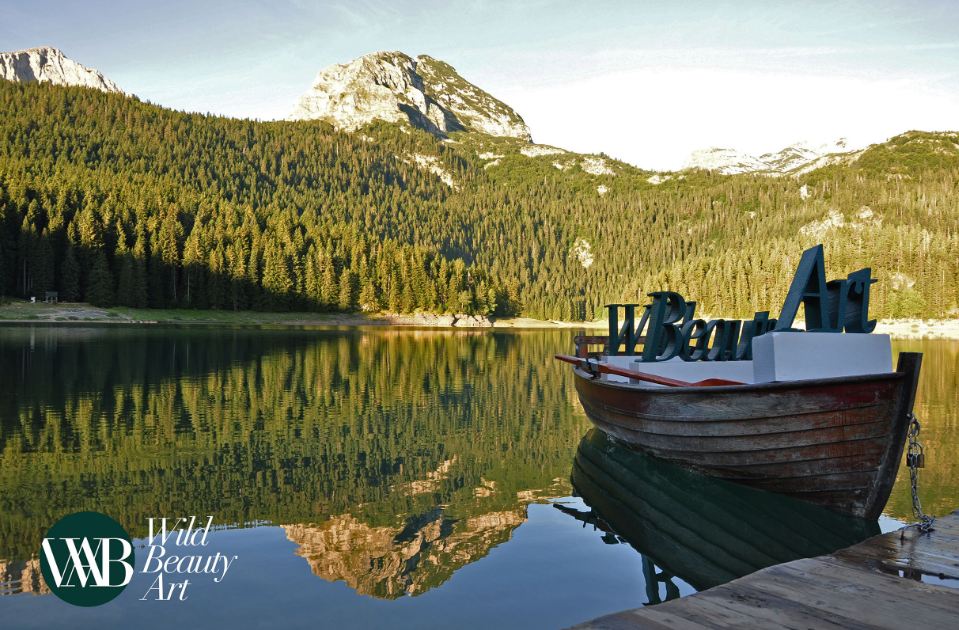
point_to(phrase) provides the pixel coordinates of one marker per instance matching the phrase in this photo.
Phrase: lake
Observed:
(381, 477)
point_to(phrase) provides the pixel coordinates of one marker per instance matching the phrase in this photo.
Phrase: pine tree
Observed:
(127, 282)
(311, 288)
(328, 289)
(167, 251)
(347, 292)
(393, 298)
(43, 265)
(139, 299)
(253, 278)
(194, 263)
(369, 301)
(238, 273)
(26, 244)
(218, 278)
(157, 274)
(3, 270)
(100, 283)
(277, 283)
(70, 277)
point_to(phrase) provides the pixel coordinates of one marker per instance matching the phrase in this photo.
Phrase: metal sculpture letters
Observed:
(671, 330)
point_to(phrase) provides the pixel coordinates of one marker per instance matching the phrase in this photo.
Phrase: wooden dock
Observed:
(894, 580)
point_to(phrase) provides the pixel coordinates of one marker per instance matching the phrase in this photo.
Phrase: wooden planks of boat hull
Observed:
(833, 442)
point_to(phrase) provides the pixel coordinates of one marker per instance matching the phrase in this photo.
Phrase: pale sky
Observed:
(646, 82)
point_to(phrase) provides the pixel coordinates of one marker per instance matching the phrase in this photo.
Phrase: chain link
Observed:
(915, 459)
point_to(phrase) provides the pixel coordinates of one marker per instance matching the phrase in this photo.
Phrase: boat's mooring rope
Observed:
(915, 459)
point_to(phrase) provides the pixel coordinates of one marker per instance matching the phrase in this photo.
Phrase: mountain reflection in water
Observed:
(703, 530)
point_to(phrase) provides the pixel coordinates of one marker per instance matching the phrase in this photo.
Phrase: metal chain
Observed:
(915, 459)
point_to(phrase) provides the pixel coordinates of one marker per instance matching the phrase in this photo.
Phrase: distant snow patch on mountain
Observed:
(726, 161)
(796, 159)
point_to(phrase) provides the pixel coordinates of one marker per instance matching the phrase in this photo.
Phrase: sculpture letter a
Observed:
(809, 289)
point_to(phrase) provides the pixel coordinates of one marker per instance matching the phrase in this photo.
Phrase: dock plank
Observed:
(936, 554)
(858, 588)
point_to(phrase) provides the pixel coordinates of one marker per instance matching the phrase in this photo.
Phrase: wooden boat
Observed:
(705, 531)
(835, 442)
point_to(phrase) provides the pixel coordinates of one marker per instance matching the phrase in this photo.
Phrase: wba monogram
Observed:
(87, 559)
(88, 563)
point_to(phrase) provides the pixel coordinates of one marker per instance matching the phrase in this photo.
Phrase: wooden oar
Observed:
(642, 376)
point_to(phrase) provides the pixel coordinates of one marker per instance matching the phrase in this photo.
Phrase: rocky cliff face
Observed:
(793, 160)
(394, 87)
(50, 65)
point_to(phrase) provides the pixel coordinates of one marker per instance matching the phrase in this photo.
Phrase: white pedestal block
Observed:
(795, 356)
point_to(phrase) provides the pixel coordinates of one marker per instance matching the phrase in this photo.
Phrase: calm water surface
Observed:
(370, 478)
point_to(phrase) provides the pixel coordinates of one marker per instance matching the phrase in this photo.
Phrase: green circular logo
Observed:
(87, 558)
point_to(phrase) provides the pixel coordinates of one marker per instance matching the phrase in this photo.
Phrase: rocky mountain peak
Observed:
(392, 86)
(46, 64)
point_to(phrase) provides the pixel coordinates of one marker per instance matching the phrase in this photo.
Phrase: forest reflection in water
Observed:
(395, 438)
(391, 459)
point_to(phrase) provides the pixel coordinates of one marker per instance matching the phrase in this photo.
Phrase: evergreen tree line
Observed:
(97, 252)
(114, 201)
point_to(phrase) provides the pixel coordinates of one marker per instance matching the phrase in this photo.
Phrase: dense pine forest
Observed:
(114, 201)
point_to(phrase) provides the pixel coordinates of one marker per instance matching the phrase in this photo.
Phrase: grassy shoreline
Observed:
(19, 312)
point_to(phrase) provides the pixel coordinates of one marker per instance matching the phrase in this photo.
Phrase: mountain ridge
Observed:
(429, 94)
(48, 64)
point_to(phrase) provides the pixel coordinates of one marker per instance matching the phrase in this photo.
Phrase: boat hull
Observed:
(833, 442)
